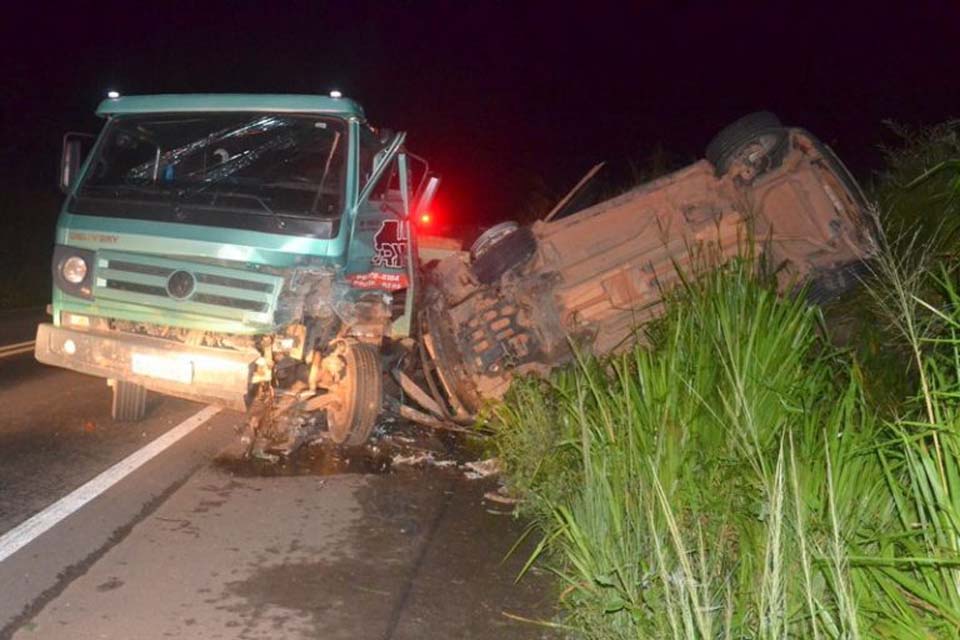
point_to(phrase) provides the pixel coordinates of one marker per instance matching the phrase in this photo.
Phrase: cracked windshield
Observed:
(273, 164)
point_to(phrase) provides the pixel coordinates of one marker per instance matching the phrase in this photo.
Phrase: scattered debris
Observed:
(425, 420)
(413, 460)
(401, 444)
(423, 458)
(500, 496)
(498, 503)
(479, 469)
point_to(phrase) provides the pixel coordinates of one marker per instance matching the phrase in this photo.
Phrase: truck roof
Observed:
(207, 102)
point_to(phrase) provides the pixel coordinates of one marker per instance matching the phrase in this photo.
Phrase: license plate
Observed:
(162, 367)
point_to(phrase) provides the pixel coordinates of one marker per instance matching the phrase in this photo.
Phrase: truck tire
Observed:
(351, 420)
(757, 139)
(513, 250)
(129, 401)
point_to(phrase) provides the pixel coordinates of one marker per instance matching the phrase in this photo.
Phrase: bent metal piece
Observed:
(598, 274)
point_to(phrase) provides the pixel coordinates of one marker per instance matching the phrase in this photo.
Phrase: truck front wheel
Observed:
(359, 392)
(129, 401)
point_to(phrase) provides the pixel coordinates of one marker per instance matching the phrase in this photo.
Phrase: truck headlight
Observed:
(74, 269)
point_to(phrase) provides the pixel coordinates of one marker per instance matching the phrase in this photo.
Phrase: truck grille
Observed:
(187, 287)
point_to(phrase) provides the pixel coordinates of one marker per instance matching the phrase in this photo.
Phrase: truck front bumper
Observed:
(216, 376)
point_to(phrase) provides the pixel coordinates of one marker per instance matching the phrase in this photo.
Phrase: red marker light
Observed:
(425, 218)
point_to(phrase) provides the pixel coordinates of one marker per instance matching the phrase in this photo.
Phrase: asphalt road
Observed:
(96, 541)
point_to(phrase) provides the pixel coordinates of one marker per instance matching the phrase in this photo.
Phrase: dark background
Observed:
(506, 99)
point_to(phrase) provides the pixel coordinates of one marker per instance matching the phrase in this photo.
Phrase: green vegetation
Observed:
(919, 191)
(737, 478)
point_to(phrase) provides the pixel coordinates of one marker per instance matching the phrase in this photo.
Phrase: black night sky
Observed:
(498, 95)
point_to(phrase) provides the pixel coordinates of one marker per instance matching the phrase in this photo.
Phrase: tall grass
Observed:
(913, 573)
(660, 479)
(741, 477)
(732, 480)
(918, 195)
(919, 189)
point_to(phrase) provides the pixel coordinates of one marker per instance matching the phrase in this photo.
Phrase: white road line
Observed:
(24, 533)
(17, 349)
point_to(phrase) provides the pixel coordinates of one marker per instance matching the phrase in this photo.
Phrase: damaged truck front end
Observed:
(526, 297)
(248, 251)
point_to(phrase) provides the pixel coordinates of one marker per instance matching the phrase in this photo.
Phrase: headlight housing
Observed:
(73, 270)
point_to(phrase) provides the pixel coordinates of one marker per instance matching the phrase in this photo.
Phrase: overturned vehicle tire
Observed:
(757, 141)
(492, 255)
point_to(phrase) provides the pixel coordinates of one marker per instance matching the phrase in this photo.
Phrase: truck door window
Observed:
(387, 188)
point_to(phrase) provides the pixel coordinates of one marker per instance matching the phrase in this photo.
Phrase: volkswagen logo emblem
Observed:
(181, 284)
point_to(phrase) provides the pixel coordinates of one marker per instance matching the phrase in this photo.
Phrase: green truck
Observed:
(242, 250)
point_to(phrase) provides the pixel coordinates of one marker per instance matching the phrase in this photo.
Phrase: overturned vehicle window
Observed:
(273, 164)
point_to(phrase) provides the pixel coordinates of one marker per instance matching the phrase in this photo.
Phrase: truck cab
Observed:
(236, 249)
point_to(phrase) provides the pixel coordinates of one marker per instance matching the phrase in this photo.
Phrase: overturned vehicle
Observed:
(524, 296)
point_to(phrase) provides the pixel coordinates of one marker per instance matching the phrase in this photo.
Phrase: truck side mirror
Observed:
(75, 147)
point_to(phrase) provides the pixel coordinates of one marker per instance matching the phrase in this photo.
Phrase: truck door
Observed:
(380, 256)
